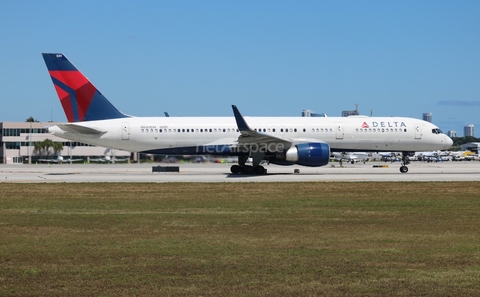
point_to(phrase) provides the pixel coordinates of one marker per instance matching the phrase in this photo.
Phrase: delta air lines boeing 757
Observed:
(306, 141)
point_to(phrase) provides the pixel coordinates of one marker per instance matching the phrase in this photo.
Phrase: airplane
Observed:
(59, 159)
(351, 157)
(305, 141)
(463, 156)
(108, 159)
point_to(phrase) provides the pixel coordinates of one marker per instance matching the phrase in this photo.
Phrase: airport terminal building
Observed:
(17, 145)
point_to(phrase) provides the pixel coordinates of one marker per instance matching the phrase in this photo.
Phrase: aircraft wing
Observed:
(98, 160)
(72, 160)
(108, 159)
(250, 136)
(59, 160)
(75, 128)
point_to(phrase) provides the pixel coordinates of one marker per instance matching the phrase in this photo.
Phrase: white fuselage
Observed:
(171, 134)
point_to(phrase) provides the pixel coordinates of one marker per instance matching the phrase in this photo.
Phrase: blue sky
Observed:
(270, 58)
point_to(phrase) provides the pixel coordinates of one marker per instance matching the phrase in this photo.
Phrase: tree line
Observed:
(459, 141)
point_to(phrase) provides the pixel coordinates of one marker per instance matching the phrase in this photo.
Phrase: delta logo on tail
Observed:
(80, 100)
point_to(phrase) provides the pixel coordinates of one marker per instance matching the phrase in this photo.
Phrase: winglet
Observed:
(241, 123)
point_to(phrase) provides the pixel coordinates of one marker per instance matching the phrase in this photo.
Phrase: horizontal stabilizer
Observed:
(74, 128)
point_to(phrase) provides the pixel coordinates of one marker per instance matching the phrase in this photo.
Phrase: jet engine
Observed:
(308, 154)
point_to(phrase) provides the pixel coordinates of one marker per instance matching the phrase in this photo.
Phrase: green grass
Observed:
(248, 239)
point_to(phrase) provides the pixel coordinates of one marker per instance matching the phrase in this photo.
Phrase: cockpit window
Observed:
(436, 131)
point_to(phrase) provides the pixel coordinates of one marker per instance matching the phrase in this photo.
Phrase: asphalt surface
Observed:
(210, 172)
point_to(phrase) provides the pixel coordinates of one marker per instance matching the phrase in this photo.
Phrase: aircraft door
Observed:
(418, 131)
(125, 131)
(338, 131)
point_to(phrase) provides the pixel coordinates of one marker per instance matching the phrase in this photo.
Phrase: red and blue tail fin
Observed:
(80, 99)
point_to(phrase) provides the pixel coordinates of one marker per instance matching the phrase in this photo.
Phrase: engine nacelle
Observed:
(309, 154)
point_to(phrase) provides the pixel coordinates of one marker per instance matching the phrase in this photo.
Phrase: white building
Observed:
(311, 113)
(427, 116)
(17, 145)
(452, 133)
(468, 130)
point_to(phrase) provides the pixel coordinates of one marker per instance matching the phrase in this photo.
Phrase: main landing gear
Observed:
(247, 169)
(405, 162)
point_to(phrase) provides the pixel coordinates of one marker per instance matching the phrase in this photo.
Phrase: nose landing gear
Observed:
(405, 162)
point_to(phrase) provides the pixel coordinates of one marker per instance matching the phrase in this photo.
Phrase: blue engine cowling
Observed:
(309, 154)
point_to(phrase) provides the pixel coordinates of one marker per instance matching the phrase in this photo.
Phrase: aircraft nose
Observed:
(448, 142)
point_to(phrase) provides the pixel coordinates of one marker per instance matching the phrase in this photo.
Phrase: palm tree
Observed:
(38, 147)
(57, 147)
(45, 145)
(31, 120)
